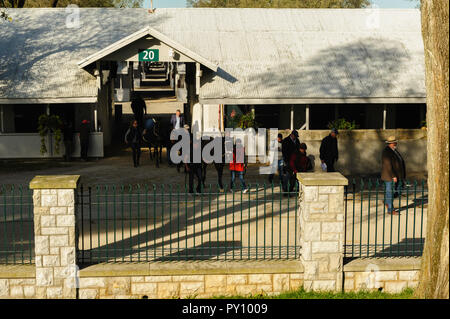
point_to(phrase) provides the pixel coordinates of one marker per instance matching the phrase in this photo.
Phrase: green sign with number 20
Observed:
(150, 55)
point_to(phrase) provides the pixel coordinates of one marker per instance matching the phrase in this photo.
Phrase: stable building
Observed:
(294, 68)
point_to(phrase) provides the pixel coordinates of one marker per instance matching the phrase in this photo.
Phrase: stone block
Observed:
(408, 275)
(158, 278)
(41, 244)
(65, 197)
(215, 281)
(21, 282)
(280, 282)
(261, 279)
(88, 293)
(311, 231)
(336, 203)
(192, 288)
(54, 230)
(236, 279)
(168, 290)
(310, 269)
(333, 227)
(386, 275)
(118, 286)
(49, 200)
(311, 193)
(349, 284)
(54, 250)
(264, 289)
(16, 292)
(328, 189)
(318, 207)
(295, 284)
(330, 237)
(65, 220)
(395, 286)
(325, 247)
(54, 292)
(324, 285)
(145, 288)
(44, 276)
(67, 256)
(188, 278)
(58, 210)
(29, 291)
(4, 287)
(50, 261)
(138, 279)
(245, 290)
(59, 240)
(92, 282)
(412, 284)
(48, 221)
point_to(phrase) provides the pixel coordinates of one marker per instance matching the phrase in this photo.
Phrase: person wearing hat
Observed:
(393, 170)
(329, 150)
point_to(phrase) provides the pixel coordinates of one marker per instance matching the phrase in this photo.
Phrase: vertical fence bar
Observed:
(201, 218)
(296, 203)
(234, 209)
(186, 218)
(21, 224)
(249, 227)
(242, 240)
(170, 220)
(5, 232)
(345, 222)
(106, 221)
(384, 214)
(361, 218)
(279, 235)
(178, 221)
(399, 205)
(154, 221)
(414, 220)
(146, 222)
(287, 223)
(390, 239)
(225, 221)
(256, 219)
(369, 186)
(138, 195)
(209, 223)
(98, 221)
(162, 221)
(272, 223)
(406, 222)
(193, 223)
(81, 194)
(218, 223)
(377, 185)
(13, 233)
(114, 222)
(131, 221)
(90, 222)
(421, 218)
(265, 216)
(30, 216)
(353, 220)
(122, 194)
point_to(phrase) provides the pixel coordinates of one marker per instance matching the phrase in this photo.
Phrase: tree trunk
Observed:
(434, 279)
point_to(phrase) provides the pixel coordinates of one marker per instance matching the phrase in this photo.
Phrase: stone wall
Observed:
(17, 282)
(189, 279)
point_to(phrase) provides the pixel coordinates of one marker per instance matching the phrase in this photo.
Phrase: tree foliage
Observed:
(279, 3)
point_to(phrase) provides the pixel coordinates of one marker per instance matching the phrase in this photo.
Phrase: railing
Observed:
(16, 225)
(371, 231)
(138, 223)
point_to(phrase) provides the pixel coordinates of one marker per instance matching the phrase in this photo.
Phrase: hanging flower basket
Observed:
(49, 124)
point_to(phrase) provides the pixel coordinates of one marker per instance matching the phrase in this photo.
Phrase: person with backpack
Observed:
(133, 137)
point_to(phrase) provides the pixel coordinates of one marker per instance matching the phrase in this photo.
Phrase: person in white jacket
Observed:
(276, 157)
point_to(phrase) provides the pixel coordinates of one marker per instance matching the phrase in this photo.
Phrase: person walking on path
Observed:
(192, 168)
(176, 122)
(85, 129)
(238, 166)
(276, 148)
(133, 138)
(68, 139)
(289, 145)
(393, 171)
(329, 150)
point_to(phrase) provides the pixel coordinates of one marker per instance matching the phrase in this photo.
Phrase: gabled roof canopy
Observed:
(139, 35)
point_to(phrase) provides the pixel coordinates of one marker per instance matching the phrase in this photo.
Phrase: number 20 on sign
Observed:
(150, 55)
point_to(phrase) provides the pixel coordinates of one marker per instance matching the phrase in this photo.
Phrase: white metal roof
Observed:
(263, 54)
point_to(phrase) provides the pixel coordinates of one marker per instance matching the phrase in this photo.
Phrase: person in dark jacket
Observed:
(139, 108)
(329, 150)
(133, 137)
(192, 168)
(289, 145)
(298, 162)
(68, 139)
(85, 129)
(393, 171)
(176, 122)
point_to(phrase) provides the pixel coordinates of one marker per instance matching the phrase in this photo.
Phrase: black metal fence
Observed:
(371, 231)
(137, 223)
(16, 225)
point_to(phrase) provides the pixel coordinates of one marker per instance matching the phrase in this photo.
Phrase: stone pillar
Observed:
(54, 236)
(322, 227)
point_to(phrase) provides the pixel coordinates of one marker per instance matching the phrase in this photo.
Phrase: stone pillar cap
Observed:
(322, 179)
(55, 182)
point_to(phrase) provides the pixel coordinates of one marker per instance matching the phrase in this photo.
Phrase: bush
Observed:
(342, 124)
(49, 124)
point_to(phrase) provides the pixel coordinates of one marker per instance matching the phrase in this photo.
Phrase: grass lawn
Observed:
(302, 294)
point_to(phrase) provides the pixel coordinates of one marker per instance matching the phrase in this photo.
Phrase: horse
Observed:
(155, 138)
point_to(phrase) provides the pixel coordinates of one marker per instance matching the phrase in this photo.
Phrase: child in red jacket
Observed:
(238, 166)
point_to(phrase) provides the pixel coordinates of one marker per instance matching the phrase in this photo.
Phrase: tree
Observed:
(434, 279)
(279, 3)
